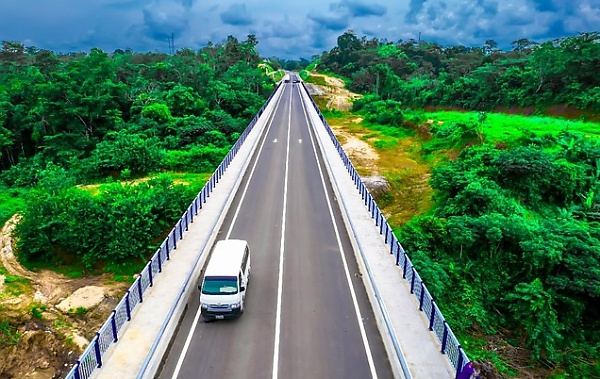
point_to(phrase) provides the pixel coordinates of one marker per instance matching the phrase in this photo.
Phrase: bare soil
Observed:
(339, 97)
(45, 340)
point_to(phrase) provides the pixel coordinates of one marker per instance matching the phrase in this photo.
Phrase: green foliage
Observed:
(304, 75)
(80, 311)
(61, 108)
(11, 200)
(196, 159)
(478, 78)
(157, 112)
(36, 311)
(512, 130)
(14, 285)
(511, 241)
(313, 65)
(125, 151)
(533, 308)
(118, 224)
(9, 335)
(382, 112)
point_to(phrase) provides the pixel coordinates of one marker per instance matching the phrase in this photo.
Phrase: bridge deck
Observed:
(421, 350)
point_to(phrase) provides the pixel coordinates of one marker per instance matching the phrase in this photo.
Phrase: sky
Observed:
(289, 29)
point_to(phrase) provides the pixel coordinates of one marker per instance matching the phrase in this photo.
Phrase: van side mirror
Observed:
(200, 287)
(242, 289)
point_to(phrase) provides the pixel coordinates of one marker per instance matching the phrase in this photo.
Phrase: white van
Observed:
(225, 280)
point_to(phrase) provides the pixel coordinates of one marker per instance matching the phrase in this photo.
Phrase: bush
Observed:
(125, 151)
(197, 159)
(120, 223)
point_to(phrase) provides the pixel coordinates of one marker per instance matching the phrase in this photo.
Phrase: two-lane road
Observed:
(307, 314)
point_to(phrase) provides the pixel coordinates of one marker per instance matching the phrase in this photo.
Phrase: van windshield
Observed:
(220, 285)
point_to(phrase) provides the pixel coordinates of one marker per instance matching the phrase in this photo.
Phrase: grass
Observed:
(399, 162)
(9, 335)
(123, 272)
(37, 311)
(510, 129)
(178, 178)
(319, 80)
(11, 201)
(15, 285)
(313, 65)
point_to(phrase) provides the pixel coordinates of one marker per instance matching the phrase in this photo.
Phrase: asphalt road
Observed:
(306, 313)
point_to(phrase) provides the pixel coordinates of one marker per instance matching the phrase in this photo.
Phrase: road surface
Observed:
(306, 313)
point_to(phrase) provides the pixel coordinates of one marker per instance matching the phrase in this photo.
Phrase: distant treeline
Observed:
(562, 71)
(100, 113)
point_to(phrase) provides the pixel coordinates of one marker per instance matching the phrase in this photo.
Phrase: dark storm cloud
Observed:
(161, 23)
(555, 29)
(283, 28)
(145, 25)
(329, 22)
(236, 14)
(319, 39)
(414, 9)
(358, 8)
(432, 12)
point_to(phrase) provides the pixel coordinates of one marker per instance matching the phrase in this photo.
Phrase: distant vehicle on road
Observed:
(225, 282)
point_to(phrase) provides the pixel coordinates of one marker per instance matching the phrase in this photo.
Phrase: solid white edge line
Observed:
(361, 326)
(186, 346)
(281, 251)
(188, 340)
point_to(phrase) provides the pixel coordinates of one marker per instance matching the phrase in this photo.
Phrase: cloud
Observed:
(414, 9)
(236, 14)
(544, 5)
(357, 8)
(282, 29)
(334, 22)
(163, 18)
(489, 7)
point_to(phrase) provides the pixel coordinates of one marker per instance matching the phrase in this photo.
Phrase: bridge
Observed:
(333, 294)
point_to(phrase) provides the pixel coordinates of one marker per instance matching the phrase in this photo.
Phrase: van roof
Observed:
(226, 258)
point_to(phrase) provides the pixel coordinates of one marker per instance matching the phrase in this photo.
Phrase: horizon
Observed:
(287, 31)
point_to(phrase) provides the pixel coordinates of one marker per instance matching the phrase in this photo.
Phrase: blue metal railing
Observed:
(108, 334)
(450, 346)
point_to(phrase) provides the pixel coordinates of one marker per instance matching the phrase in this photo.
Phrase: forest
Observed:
(96, 145)
(534, 74)
(511, 247)
(77, 129)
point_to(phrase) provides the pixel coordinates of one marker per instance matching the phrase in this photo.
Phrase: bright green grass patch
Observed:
(319, 80)
(14, 285)
(313, 65)
(499, 127)
(278, 75)
(11, 201)
(391, 131)
(9, 335)
(191, 179)
(303, 75)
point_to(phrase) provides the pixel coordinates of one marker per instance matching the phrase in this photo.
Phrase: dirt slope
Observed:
(37, 340)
